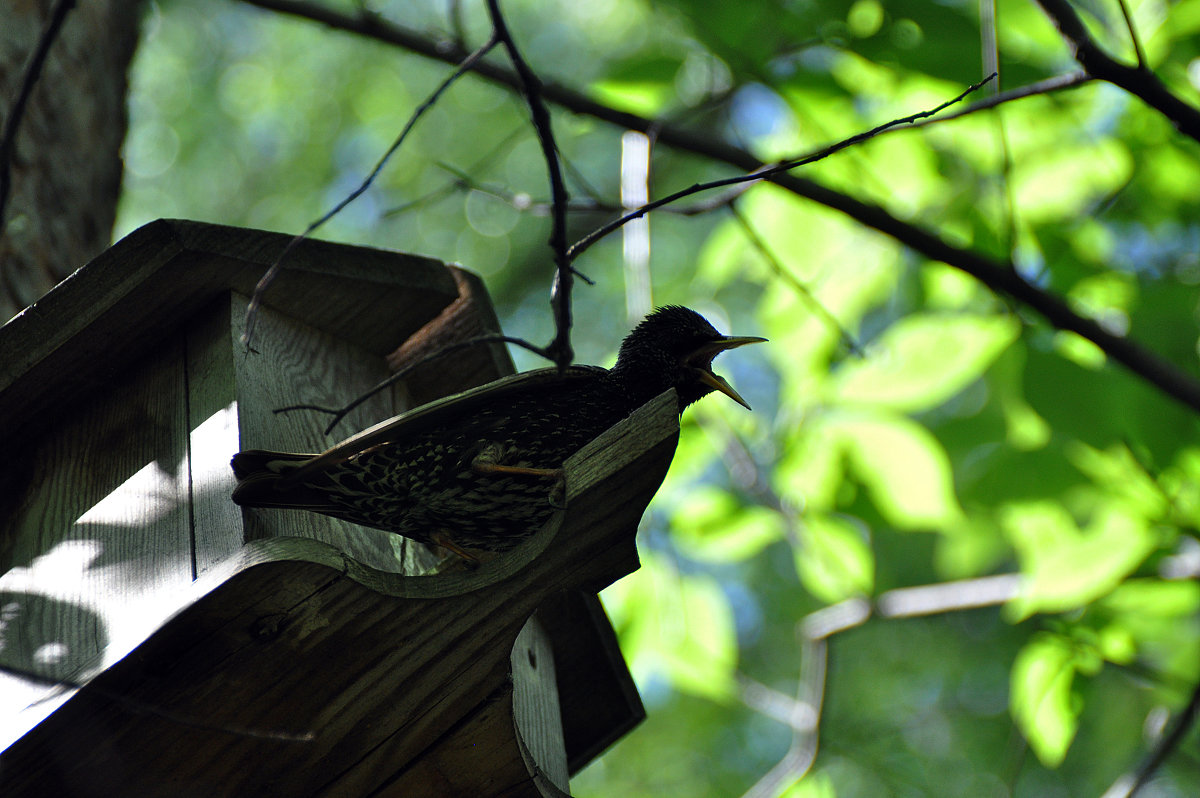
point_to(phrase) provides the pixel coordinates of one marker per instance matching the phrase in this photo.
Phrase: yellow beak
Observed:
(706, 353)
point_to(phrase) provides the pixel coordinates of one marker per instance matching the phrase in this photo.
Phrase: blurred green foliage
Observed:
(909, 427)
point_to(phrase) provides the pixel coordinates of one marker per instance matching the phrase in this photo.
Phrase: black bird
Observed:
(477, 470)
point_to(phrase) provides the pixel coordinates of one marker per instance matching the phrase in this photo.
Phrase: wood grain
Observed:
(126, 301)
(83, 587)
(294, 638)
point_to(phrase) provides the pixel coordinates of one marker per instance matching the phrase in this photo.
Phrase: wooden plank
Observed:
(536, 713)
(506, 746)
(212, 435)
(476, 757)
(295, 364)
(302, 672)
(600, 702)
(99, 548)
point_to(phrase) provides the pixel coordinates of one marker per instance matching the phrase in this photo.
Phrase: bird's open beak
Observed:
(701, 360)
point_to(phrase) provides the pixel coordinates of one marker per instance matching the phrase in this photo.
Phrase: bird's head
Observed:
(674, 347)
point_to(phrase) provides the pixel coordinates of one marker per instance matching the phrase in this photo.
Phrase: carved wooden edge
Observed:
(609, 456)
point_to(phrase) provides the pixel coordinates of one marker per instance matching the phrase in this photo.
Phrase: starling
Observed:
(477, 470)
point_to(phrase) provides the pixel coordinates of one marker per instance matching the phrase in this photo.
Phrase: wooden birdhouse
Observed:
(156, 639)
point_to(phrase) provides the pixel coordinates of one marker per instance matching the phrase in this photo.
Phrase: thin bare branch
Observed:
(340, 413)
(1129, 784)
(559, 349)
(16, 112)
(794, 282)
(261, 288)
(1056, 83)
(999, 276)
(1134, 79)
(763, 172)
(1133, 35)
(810, 695)
(526, 204)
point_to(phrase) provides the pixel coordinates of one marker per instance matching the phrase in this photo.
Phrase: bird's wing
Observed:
(442, 412)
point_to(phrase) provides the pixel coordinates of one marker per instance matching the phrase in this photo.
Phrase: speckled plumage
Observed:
(428, 474)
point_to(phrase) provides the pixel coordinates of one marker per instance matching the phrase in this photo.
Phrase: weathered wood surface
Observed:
(115, 497)
(598, 700)
(137, 292)
(296, 364)
(478, 756)
(218, 701)
(117, 405)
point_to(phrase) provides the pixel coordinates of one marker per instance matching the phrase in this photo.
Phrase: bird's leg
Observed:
(442, 538)
(485, 463)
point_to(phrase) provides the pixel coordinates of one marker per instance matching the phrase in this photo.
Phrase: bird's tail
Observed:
(261, 480)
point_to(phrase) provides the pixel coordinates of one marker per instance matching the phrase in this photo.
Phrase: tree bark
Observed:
(66, 162)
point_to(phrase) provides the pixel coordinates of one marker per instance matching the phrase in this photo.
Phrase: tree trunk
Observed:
(66, 165)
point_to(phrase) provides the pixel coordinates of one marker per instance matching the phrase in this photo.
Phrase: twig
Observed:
(560, 299)
(996, 275)
(269, 277)
(12, 122)
(1056, 83)
(1128, 784)
(1133, 36)
(764, 172)
(340, 413)
(792, 280)
(1136, 80)
(810, 694)
(443, 191)
(523, 202)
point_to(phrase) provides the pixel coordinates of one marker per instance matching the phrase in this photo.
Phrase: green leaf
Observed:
(1052, 183)
(813, 785)
(923, 360)
(1041, 701)
(1065, 566)
(677, 625)
(1144, 597)
(645, 97)
(712, 526)
(811, 469)
(834, 560)
(905, 469)
(1119, 473)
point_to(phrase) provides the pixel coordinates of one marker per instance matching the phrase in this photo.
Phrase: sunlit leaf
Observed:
(1059, 181)
(676, 625)
(1117, 644)
(813, 785)
(834, 559)
(921, 361)
(1065, 566)
(713, 526)
(1041, 700)
(1144, 597)
(811, 470)
(905, 469)
(645, 97)
(1120, 474)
